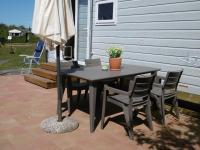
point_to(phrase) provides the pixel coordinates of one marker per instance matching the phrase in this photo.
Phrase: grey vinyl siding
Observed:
(154, 33)
(82, 29)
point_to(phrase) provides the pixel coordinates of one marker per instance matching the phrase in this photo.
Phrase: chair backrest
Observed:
(92, 62)
(38, 51)
(66, 65)
(141, 86)
(171, 82)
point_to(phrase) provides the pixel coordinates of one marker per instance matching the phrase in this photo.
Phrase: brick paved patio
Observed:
(23, 106)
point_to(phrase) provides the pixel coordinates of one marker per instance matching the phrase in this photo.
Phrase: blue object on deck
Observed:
(29, 60)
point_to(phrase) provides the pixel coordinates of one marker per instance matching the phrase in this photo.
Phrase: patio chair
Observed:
(161, 92)
(137, 97)
(97, 62)
(35, 58)
(92, 62)
(77, 84)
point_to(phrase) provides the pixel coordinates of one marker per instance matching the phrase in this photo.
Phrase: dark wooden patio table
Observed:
(95, 75)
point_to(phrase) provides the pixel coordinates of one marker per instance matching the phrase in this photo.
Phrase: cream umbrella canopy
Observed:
(53, 21)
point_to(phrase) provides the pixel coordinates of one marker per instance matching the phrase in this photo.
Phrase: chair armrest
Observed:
(28, 56)
(31, 57)
(157, 85)
(158, 79)
(114, 90)
(24, 55)
(161, 77)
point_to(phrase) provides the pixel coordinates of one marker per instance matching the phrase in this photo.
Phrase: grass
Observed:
(193, 98)
(14, 61)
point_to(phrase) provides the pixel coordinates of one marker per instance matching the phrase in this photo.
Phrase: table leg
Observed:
(92, 105)
(121, 83)
(63, 84)
(69, 94)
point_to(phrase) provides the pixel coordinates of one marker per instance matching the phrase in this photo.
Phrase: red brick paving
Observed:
(23, 106)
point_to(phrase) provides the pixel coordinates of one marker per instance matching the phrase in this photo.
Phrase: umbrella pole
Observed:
(57, 124)
(59, 100)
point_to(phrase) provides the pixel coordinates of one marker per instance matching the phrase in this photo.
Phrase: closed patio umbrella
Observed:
(53, 21)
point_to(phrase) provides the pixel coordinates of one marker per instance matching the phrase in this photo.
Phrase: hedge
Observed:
(22, 39)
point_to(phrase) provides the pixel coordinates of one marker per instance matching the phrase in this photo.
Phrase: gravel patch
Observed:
(10, 72)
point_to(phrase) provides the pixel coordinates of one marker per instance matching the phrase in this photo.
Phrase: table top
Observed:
(96, 73)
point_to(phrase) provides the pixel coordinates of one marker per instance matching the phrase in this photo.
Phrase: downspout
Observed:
(90, 23)
(76, 32)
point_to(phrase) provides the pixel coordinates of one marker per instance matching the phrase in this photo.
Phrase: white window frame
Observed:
(106, 22)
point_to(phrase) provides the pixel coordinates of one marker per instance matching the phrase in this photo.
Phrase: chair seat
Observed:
(125, 99)
(158, 91)
(81, 85)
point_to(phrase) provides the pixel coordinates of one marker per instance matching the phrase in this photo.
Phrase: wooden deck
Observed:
(44, 76)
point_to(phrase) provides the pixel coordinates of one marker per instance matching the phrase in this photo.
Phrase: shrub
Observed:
(114, 52)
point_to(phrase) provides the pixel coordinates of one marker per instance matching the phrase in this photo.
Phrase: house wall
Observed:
(154, 33)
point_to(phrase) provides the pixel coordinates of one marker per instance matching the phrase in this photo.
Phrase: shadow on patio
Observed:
(178, 134)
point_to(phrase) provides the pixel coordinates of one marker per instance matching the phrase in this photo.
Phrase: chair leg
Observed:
(78, 96)
(148, 114)
(175, 105)
(127, 114)
(103, 109)
(86, 93)
(135, 113)
(69, 99)
(159, 106)
(69, 106)
(22, 70)
(30, 65)
(163, 109)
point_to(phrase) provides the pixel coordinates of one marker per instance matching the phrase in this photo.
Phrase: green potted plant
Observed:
(115, 58)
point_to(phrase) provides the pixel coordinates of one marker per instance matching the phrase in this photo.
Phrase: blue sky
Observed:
(17, 12)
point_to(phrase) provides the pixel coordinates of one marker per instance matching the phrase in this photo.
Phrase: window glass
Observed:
(105, 11)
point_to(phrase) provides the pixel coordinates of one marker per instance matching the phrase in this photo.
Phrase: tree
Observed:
(3, 30)
(22, 27)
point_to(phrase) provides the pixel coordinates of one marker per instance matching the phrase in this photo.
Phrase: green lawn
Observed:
(14, 61)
